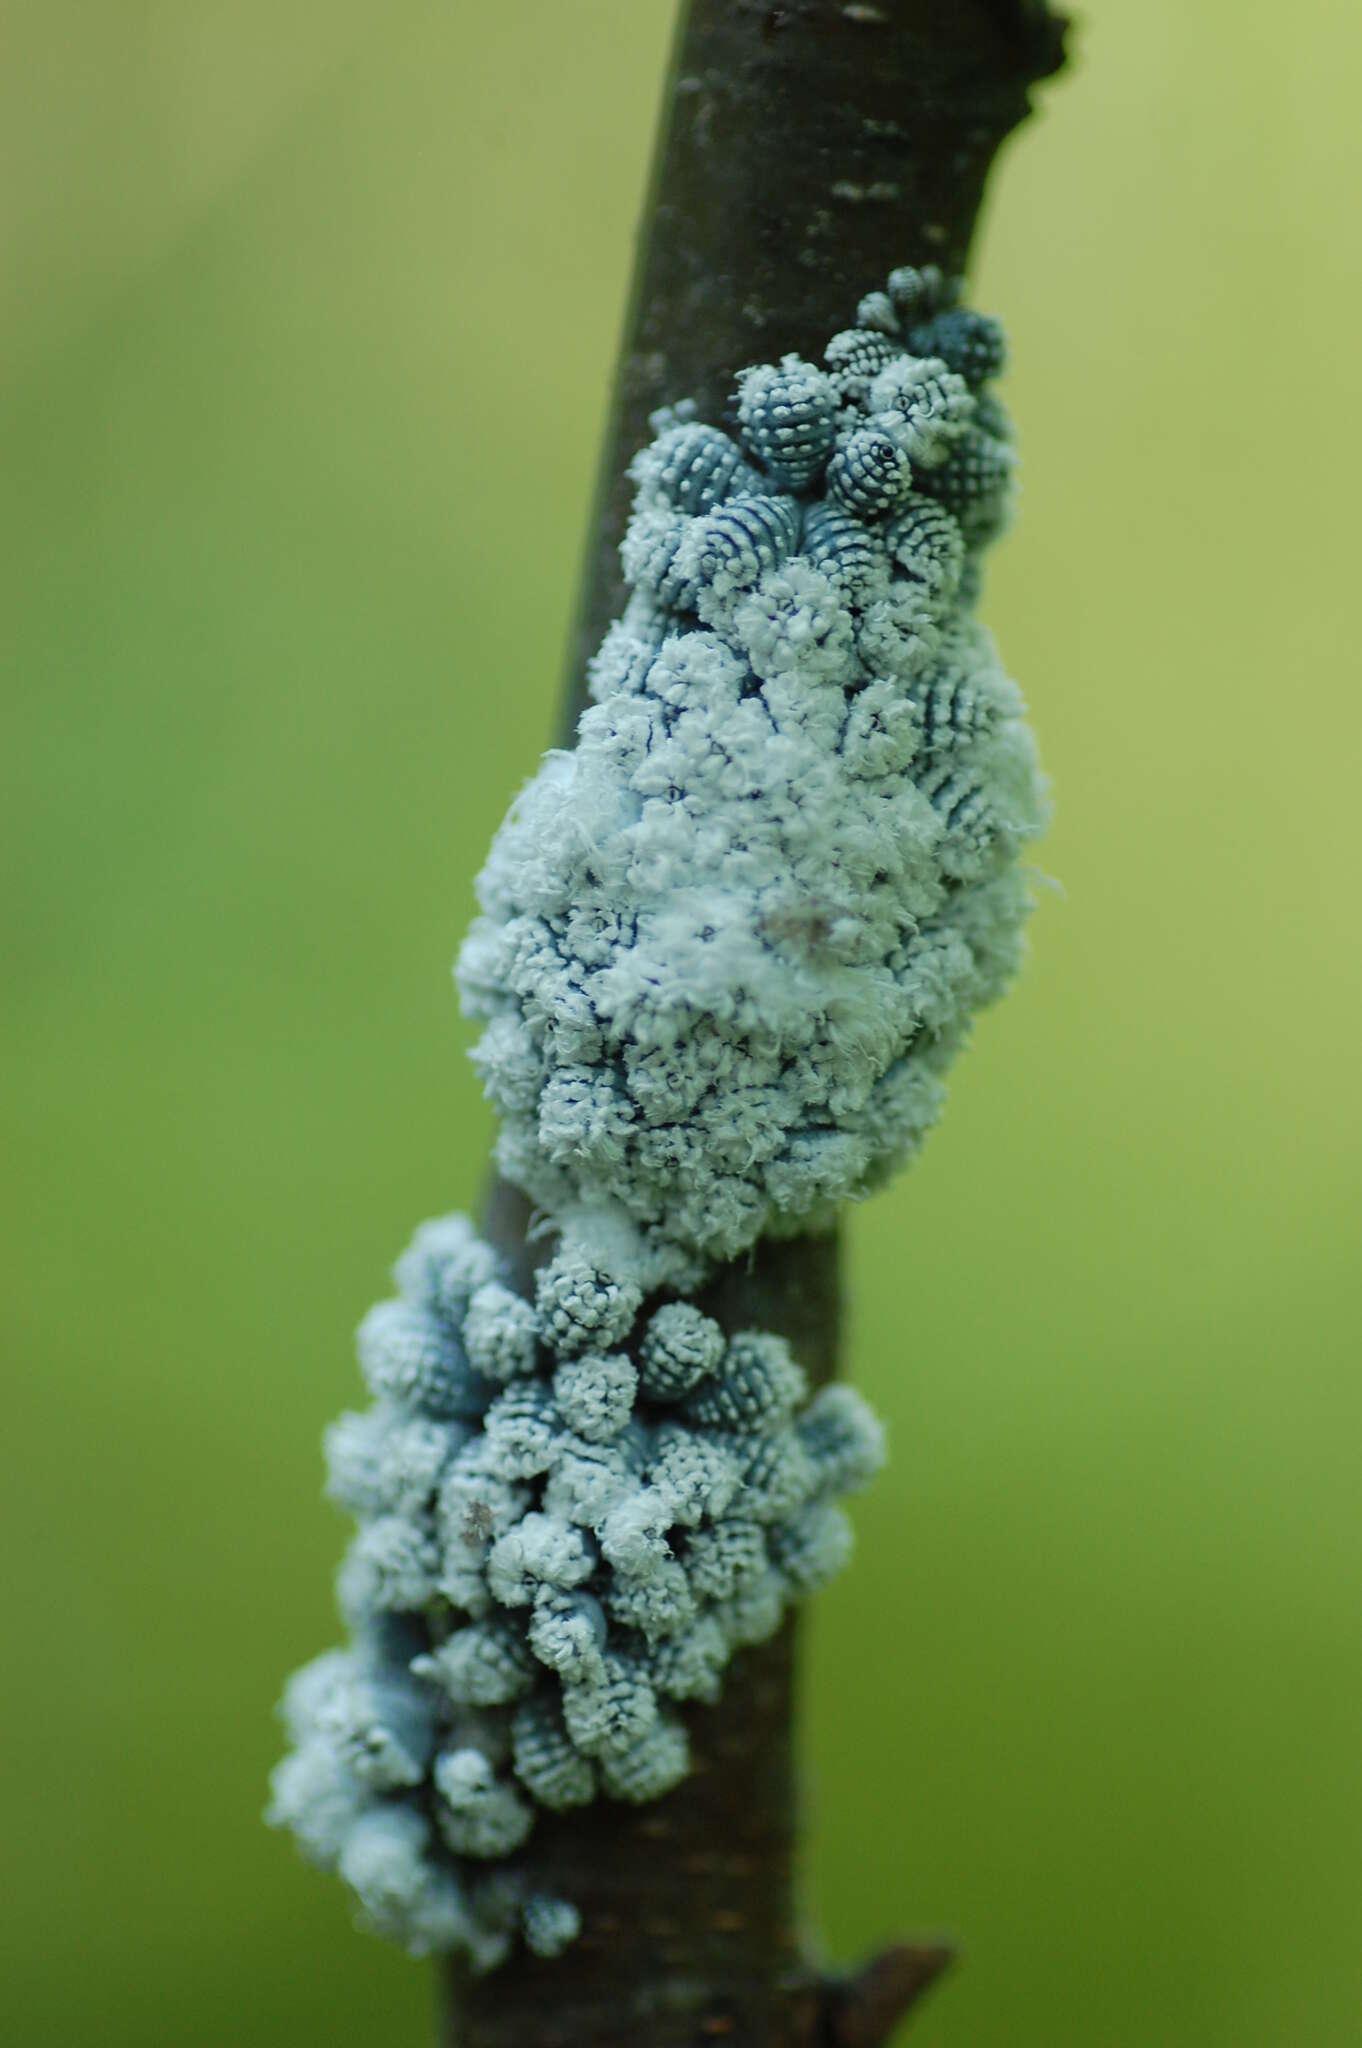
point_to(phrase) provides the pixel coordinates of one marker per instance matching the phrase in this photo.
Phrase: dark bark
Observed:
(804, 150)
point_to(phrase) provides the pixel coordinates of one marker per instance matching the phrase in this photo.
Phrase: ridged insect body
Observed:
(607, 1717)
(970, 815)
(696, 1474)
(954, 708)
(924, 404)
(899, 632)
(594, 1394)
(972, 344)
(690, 1664)
(656, 1605)
(971, 583)
(694, 467)
(991, 416)
(547, 1761)
(843, 1438)
(814, 1547)
(651, 1767)
(623, 658)
(877, 312)
(730, 547)
(917, 291)
(410, 1358)
(974, 479)
(788, 415)
(568, 1632)
(759, 1381)
(721, 1559)
(500, 1333)
(487, 1664)
(521, 1427)
(925, 544)
(550, 1925)
(778, 1477)
(855, 358)
(382, 1723)
(479, 1813)
(651, 552)
(582, 1307)
(883, 731)
(680, 1347)
(844, 548)
(870, 472)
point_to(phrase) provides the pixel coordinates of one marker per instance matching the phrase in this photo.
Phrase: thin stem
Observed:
(804, 150)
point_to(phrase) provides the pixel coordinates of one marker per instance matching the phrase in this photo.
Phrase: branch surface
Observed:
(804, 150)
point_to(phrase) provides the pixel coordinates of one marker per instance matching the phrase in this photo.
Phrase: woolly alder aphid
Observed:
(728, 947)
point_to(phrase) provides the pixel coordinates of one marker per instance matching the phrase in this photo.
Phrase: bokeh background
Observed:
(307, 318)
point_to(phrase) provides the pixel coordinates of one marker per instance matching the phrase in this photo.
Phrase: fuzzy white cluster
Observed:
(572, 1513)
(731, 942)
(728, 947)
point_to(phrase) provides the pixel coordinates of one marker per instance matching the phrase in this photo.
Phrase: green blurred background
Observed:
(307, 316)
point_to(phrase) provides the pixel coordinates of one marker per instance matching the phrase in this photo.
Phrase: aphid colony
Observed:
(728, 946)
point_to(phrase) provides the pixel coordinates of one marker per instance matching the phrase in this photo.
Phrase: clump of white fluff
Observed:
(730, 944)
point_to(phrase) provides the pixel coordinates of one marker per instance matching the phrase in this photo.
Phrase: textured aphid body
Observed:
(915, 292)
(692, 468)
(870, 473)
(788, 414)
(877, 312)
(727, 947)
(846, 550)
(970, 343)
(963, 697)
(974, 483)
(924, 405)
(732, 546)
(854, 358)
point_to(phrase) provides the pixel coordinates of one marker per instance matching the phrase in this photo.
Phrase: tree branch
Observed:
(863, 2011)
(804, 150)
